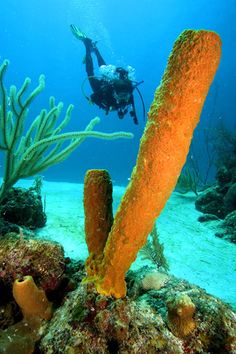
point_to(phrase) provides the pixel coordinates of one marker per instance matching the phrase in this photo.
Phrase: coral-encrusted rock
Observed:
(230, 221)
(230, 198)
(6, 227)
(207, 217)
(228, 228)
(92, 323)
(43, 260)
(220, 200)
(211, 202)
(23, 207)
(223, 176)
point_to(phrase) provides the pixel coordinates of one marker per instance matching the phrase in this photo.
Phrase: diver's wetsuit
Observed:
(94, 81)
(110, 95)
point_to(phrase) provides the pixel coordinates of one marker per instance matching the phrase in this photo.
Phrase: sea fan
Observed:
(154, 251)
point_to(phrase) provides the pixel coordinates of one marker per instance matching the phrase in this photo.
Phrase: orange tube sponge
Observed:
(32, 300)
(98, 214)
(172, 119)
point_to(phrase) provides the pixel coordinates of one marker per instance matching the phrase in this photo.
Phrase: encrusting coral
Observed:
(112, 326)
(92, 323)
(20, 256)
(164, 146)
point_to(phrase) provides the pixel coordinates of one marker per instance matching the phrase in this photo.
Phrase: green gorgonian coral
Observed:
(29, 154)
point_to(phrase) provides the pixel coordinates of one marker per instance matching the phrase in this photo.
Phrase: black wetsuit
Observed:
(110, 95)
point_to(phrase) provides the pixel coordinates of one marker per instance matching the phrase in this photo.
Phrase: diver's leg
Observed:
(100, 59)
(88, 58)
(94, 82)
(89, 47)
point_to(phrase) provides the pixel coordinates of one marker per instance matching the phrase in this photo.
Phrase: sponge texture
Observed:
(164, 146)
(32, 300)
(98, 214)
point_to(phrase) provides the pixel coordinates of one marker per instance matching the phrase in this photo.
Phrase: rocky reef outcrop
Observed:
(219, 202)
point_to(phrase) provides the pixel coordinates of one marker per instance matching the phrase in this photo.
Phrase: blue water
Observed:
(36, 38)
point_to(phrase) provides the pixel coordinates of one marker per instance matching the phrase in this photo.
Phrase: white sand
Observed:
(192, 250)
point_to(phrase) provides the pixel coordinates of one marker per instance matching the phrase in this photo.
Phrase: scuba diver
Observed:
(113, 91)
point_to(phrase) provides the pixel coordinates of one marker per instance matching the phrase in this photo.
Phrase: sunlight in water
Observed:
(89, 15)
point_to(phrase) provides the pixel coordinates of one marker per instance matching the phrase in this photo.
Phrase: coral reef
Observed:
(43, 260)
(92, 323)
(20, 338)
(173, 317)
(160, 314)
(172, 119)
(9, 312)
(7, 227)
(23, 207)
(220, 201)
(210, 201)
(227, 229)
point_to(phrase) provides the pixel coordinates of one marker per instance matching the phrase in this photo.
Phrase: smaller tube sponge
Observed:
(98, 214)
(32, 300)
(180, 315)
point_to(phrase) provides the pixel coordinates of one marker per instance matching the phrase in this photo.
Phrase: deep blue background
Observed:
(36, 38)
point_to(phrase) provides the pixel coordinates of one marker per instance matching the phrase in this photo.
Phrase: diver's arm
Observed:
(133, 111)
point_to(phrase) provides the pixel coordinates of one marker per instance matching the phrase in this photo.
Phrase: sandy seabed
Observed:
(191, 248)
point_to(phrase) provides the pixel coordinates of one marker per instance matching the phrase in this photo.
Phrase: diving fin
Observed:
(77, 32)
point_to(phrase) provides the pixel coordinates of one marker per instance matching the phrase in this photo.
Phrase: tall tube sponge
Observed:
(164, 146)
